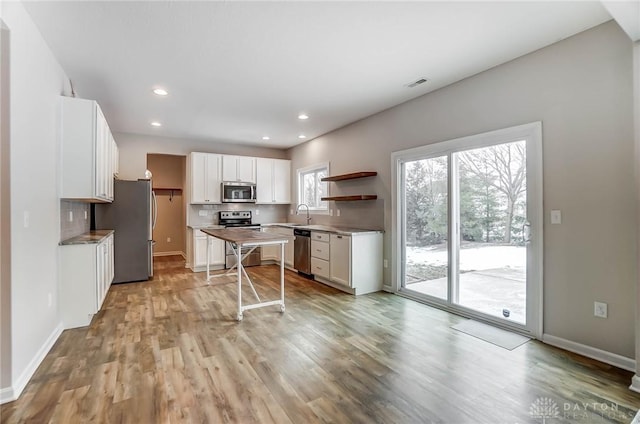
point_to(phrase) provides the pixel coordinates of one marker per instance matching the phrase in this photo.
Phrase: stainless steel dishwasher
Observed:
(302, 251)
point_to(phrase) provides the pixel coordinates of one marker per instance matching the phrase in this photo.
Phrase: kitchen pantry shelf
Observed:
(350, 176)
(350, 198)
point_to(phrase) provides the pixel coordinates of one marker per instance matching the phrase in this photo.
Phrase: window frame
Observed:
(300, 172)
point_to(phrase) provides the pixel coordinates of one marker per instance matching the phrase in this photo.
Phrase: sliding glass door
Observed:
(467, 211)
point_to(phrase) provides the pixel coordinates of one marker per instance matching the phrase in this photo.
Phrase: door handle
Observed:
(526, 232)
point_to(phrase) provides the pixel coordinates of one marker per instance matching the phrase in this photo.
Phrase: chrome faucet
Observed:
(298, 211)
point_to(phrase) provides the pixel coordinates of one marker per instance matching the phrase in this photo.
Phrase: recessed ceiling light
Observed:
(266, 137)
(160, 91)
(303, 116)
(301, 136)
(156, 124)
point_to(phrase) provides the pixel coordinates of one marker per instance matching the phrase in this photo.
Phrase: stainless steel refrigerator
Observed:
(132, 216)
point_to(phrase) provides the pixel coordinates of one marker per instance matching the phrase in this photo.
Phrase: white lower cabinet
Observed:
(320, 267)
(340, 259)
(199, 251)
(86, 275)
(272, 253)
(352, 263)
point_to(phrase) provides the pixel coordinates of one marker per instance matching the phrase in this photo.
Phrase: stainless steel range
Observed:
(239, 219)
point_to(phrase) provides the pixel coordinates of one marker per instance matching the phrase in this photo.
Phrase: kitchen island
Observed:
(238, 238)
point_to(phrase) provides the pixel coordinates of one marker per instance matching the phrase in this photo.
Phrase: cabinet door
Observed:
(340, 262)
(100, 274)
(99, 140)
(247, 169)
(270, 252)
(281, 181)
(198, 177)
(229, 168)
(288, 248)
(212, 193)
(110, 262)
(217, 253)
(264, 185)
(200, 250)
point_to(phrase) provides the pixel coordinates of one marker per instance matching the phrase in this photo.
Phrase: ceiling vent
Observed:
(417, 83)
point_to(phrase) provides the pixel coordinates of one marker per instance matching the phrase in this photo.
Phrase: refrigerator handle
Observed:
(155, 209)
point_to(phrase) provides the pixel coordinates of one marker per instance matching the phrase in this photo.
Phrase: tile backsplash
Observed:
(74, 219)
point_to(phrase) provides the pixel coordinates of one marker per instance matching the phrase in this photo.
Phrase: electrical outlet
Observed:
(290, 211)
(556, 217)
(600, 309)
(338, 211)
(85, 215)
(70, 216)
(168, 239)
(386, 263)
(257, 212)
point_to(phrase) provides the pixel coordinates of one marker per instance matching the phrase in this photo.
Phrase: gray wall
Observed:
(581, 90)
(133, 149)
(37, 81)
(5, 213)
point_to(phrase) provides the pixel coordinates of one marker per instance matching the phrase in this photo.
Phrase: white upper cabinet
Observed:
(88, 152)
(274, 181)
(239, 168)
(206, 176)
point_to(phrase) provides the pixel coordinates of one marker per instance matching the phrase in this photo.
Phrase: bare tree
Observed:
(502, 167)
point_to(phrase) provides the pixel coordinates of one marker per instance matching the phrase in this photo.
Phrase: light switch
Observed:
(556, 217)
(70, 216)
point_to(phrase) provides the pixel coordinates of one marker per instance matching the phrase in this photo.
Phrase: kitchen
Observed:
(364, 145)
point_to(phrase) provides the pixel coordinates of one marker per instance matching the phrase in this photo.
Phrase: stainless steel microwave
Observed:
(238, 192)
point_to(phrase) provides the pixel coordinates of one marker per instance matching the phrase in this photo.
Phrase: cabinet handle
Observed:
(339, 237)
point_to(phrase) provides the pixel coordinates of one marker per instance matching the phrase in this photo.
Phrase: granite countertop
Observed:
(201, 226)
(92, 237)
(325, 228)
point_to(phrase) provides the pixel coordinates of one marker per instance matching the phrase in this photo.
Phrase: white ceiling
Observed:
(237, 71)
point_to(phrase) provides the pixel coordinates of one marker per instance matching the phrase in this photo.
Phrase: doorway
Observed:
(168, 181)
(468, 214)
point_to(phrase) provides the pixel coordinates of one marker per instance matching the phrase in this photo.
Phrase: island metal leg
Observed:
(240, 270)
(208, 256)
(282, 277)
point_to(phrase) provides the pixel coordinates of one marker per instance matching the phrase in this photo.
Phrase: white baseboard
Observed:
(20, 383)
(6, 395)
(174, 253)
(592, 352)
(635, 386)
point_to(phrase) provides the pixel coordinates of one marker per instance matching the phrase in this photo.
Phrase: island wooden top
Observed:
(244, 237)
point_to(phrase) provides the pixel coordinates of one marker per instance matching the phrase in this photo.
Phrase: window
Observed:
(310, 187)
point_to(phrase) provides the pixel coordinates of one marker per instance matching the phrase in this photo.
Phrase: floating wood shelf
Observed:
(351, 176)
(351, 198)
(167, 188)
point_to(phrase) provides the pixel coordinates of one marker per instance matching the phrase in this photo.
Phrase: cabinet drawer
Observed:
(320, 268)
(320, 237)
(319, 250)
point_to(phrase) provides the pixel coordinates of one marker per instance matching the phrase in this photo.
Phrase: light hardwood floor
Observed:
(170, 350)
